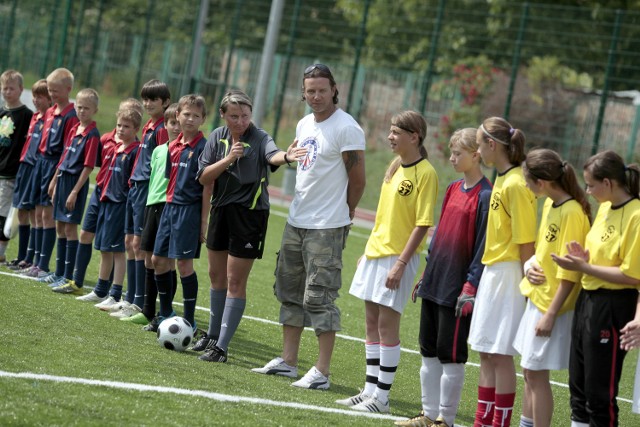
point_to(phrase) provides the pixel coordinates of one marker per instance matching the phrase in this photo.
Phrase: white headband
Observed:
(491, 136)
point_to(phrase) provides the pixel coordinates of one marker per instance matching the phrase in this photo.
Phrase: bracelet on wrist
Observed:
(286, 159)
(402, 261)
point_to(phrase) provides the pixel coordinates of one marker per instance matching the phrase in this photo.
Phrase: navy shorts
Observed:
(43, 172)
(152, 215)
(239, 230)
(110, 233)
(179, 232)
(136, 202)
(22, 192)
(64, 186)
(90, 221)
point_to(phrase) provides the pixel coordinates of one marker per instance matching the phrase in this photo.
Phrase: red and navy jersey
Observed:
(457, 246)
(152, 136)
(81, 150)
(116, 183)
(182, 169)
(30, 148)
(57, 128)
(106, 149)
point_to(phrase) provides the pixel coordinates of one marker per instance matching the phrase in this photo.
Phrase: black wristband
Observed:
(286, 159)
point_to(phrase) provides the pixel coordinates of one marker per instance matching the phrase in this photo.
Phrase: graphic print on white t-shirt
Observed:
(311, 144)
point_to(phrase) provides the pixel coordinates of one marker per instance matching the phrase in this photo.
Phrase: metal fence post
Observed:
(47, 49)
(76, 37)
(65, 31)
(145, 43)
(433, 47)
(356, 64)
(6, 57)
(515, 64)
(94, 43)
(607, 74)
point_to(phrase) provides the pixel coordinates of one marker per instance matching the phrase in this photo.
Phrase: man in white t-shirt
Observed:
(329, 183)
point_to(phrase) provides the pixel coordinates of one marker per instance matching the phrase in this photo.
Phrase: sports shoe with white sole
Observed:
(91, 297)
(126, 311)
(215, 354)
(373, 405)
(313, 380)
(116, 307)
(108, 302)
(137, 319)
(50, 277)
(440, 422)
(278, 366)
(61, 281)
(353, 400)
(420, 420)
(68, 288)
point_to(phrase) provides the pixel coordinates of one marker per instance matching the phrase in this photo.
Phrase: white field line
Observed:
(345, 337)
(187, 392)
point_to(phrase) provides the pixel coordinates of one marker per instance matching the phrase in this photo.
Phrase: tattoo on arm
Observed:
(351, 159)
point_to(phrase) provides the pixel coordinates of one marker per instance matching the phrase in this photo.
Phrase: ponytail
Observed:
(608, 164)
(501, 131)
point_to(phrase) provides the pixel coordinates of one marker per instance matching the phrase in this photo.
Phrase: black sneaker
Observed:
(153, 325)
(204, 343)
(216, 354)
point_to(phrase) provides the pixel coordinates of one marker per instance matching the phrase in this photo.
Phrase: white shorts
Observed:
(543, 353)
(635, 406)
(371, 275)
(6, 195)
(498, 309)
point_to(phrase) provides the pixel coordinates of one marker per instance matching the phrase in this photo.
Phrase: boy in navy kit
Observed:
(106, 150)
(58, 122)
(23, 194)
(110, 234)
(70, 186)
(183, 223)
(156, 97)
(14, 125)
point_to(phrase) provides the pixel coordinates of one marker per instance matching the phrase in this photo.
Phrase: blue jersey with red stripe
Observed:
(182, 169)
(57, 128)
(80, 150)
(152, 136)
(30, 148)
(116, 183)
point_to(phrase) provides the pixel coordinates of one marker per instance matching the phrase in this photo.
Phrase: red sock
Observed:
(484, 413)
(504, 408)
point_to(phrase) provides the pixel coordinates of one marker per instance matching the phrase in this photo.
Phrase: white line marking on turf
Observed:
(345, 337)
(187, 392)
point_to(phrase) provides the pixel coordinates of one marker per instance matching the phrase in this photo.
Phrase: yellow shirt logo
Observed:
(495, 201)
(552, 233)
(405, 188)
(608, 233)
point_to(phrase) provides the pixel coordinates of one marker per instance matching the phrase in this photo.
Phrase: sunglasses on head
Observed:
(321, 67)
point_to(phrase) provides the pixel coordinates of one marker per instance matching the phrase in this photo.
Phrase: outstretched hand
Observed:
(295, 153)
(630, 337)
(576, 258)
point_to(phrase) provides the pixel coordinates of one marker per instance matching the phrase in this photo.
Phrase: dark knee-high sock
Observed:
(116, 291)
(23, 241)
(61, 256)
(35, 239)
(163, 282)
(131, 280)
(189, 296)
(102, 288)
(233, 311)
(70, 263)
(150, 294)
(46, 248)
(174, 284)
(217, 300)
(141, 271)
(83, 258)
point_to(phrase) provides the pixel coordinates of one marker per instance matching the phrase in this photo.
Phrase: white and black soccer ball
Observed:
(175, 333)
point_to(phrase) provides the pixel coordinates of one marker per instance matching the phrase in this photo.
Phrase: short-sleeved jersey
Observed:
(245, 181)
(153, 134)
(408, 200)
(183, 187)
(158, 180)
(106, 149)
(81, 150)
(559, 225)
(18, 119)
(457, 245)
(30, 148)
(320, 199)
(512, 218)
(614, 240)
(57, 128)
(116, 184)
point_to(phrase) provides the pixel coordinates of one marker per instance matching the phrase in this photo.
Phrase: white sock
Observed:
(372, 353)
(578, 424)
(451, 390)
(389, 359)
(526, 421)
(430, 374)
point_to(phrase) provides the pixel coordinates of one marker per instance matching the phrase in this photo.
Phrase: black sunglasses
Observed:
(321, 67)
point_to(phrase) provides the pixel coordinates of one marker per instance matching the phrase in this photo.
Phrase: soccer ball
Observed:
(175, 333)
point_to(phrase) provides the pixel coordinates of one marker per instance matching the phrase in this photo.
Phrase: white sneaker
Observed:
(313, 379)
(353, 400)
(106, 303)
(278, 367)
(372, 405)
(127, 311)
(91, 297)
(116, 307)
